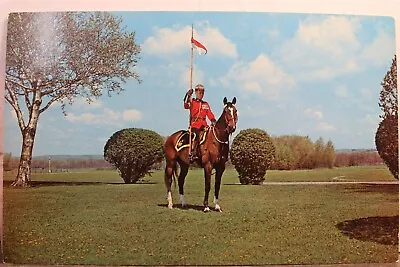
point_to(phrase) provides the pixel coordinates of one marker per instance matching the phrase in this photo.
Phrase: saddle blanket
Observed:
(183, 139)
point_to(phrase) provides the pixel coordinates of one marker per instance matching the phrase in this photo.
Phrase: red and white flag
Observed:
(198, 45)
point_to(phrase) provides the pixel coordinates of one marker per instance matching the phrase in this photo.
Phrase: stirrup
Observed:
(193, 157)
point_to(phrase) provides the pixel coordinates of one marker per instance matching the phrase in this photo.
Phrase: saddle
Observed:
(183, 138)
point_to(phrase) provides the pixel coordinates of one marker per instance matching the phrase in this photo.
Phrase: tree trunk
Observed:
(23, 178)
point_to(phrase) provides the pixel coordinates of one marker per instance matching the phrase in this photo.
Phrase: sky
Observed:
(302, 74)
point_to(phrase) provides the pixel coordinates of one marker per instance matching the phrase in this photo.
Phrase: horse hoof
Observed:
(170, 206)
(218, 208)
(206, 209)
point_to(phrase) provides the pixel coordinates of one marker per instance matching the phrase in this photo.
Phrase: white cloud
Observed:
(273, 34)
(132, 115)
(255, 112)
(198, 76)
(380, 50)
(176, 75)
(326, 127)
(172, 41)
(342, 91)
(372, 120)
(107, 117)
(79, 104)
(10, 118)
(82, 103)
(314, 113)
(327, 47)
(261, 76)
(367, 93)
(333, 34)
(322, 42)
(102, 140)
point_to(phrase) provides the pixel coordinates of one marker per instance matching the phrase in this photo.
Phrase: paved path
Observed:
(329, 183)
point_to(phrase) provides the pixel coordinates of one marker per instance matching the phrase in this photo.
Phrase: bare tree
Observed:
(56, 57)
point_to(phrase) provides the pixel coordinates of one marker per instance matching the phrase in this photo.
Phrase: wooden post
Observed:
(191, 87)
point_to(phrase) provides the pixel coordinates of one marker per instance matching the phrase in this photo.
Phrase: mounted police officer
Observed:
(199, 110)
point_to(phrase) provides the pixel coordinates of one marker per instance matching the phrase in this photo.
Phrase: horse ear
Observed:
(234, 100)
(225, 100)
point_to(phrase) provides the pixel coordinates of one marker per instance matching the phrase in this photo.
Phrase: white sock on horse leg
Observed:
(182, 199)
(217, 207)
(169, 198)
(215, 200)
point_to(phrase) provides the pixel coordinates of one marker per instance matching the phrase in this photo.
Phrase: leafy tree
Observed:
(7, 157)
(388, 94)
(386, 141)
(284, 156)
(133, 151)
(303, 149)
(329, 155)
(252, 153)
(299, 152)
(55, 57)
(318, 155)
(386, 137)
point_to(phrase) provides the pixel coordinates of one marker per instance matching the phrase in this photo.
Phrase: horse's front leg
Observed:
(218, 177)
(207, 185)
(181, 182)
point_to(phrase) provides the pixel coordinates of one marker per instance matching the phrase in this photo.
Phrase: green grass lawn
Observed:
(93, 218)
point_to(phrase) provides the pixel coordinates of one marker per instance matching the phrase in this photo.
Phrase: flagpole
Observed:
(191, 87)
(191, 61)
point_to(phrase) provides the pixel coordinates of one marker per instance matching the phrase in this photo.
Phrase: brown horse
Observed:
(214, 150)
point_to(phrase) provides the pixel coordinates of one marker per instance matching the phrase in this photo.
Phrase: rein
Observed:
(219, 141)
(226, 130)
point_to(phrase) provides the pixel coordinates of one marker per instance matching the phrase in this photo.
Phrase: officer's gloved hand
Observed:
(190, 92)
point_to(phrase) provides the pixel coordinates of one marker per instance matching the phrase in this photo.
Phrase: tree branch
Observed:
(27, 102)
(51, 101)
(61, 86)
(26, 88)
(14, 103)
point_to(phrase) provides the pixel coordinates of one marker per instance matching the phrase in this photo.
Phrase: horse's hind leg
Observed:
(169, 169)
(181, 182)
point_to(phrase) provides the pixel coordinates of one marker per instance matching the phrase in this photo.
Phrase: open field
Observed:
(91, 217)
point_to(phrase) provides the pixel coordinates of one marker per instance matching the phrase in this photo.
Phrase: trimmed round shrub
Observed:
(133, 151)
(252, 153)
(386, 141)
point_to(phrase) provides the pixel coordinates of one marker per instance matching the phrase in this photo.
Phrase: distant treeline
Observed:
(11, 163)
(291, 153)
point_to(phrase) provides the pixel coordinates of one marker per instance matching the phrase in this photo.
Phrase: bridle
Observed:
(231, 118)
(228, 129)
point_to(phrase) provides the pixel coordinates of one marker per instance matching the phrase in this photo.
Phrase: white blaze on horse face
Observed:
(231, 112)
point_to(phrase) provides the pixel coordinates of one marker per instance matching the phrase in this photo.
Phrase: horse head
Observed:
(230, 115)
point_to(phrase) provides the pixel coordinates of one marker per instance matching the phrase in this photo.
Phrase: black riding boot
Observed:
(194, 153)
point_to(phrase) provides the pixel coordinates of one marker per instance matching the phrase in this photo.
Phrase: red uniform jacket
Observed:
(199, 109)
